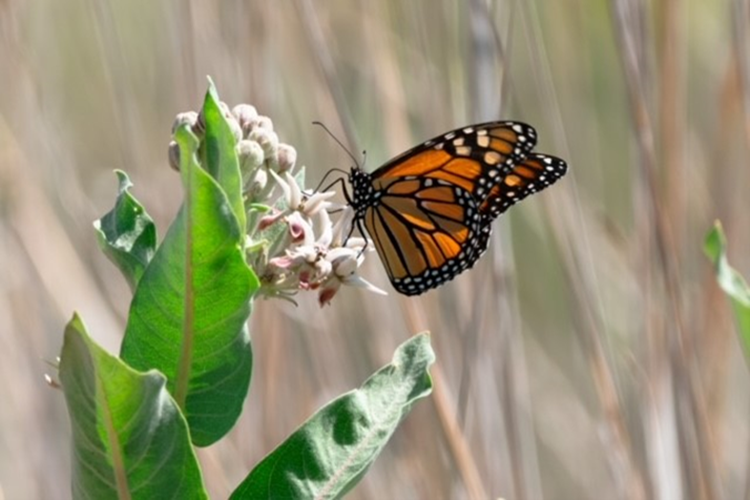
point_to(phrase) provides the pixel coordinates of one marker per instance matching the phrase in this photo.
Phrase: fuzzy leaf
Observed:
(129, 438)
(220, 157)
(329, 454)
(127, 234)
(733, 284)
(188, 315)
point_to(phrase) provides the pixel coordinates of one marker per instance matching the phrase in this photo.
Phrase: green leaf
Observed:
(129, 438)
(328, 455)
(220, 157)
(127, 234)
(188, 314)
(731, 282)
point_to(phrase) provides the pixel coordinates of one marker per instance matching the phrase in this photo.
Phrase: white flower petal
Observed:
(317, 202)
(303, 253)
(357, 243)
(295, 199)
(340, 253)
(323, 269)
(326, 229)
(345, 267)
(284, 186)
(343, 226)
(360, 282)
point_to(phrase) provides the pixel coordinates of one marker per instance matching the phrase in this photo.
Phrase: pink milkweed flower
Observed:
(296, 200)
(268, 220)
(310, 251)
(344, 264)
(299, 228)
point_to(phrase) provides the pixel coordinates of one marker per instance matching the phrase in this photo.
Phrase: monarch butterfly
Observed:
(429, 211)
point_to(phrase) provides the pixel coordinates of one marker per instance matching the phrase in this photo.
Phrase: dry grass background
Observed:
(588, 354)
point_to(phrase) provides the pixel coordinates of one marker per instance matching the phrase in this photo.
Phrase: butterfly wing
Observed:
(530, 176)
(425, 232)
(534, 173)
(429, 211)
(472, 158)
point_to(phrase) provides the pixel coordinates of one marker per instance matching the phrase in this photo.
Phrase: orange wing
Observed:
(425, 232)
(533, 174)
(471, 157)
(429, 211)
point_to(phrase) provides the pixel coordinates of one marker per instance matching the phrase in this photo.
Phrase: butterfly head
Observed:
(364, 194)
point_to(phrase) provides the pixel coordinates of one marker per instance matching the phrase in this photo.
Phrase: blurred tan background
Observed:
(588, 355)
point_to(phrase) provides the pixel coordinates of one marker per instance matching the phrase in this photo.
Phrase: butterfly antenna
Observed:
(317, 189)
(338, 142)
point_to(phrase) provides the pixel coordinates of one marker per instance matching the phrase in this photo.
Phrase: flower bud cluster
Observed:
(291, 241)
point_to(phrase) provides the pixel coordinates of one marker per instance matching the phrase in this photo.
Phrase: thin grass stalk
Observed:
(692, 423)
(514, 378)
(126, 118)
(444, 406)
(741, 17)
(671, 102)
(740, 10)
(322, 54)
(486, 58)
(587, 316)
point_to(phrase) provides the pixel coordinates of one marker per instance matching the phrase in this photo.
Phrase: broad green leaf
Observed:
(733, 284)
(188, 314)
(328, 455)
(129, 439)
(127, 234)
(220, 157)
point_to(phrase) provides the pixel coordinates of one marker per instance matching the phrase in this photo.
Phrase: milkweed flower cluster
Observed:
(292, 243)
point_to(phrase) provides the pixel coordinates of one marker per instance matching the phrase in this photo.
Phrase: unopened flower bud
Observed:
(234, 126)
(199, 128)
(174, 155)
(267, 139)
(250, 155)
(245, 115)
(258, 184)
(286, 156)
(187, 118)
(255, 123)
(264, 122)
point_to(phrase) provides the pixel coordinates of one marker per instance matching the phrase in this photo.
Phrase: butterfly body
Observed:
(429, 211)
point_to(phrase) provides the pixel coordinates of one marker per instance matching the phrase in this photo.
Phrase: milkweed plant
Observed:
(247, 229)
